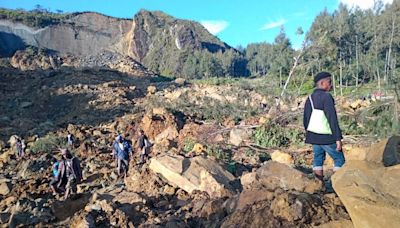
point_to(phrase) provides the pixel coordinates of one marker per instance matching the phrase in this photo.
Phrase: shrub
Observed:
(48, 143)
(275, 135)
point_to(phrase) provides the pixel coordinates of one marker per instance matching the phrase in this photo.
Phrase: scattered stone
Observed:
(151, 90)
(5, 187)
(83, 221)
(169, 190)
(248, 179)
(237, 136)
(180, 81)
(249, 197)
(282, 157)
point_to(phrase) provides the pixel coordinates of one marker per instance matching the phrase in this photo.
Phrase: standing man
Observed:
(122, 150)
(69, 172)
(322, 127)
(144, 146)
(70, 140)
(20, 147)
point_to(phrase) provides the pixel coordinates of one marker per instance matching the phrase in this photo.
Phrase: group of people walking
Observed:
(122, 152)
(66, 173)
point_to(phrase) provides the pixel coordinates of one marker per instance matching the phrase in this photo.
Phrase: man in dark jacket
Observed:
(69, 171)
(329, 141)
(144, 146)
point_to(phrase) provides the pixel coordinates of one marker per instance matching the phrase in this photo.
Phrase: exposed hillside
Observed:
(81, 35)
(158, 36)
(159, 41)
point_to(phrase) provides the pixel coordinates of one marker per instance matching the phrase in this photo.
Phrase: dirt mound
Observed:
(38, 102)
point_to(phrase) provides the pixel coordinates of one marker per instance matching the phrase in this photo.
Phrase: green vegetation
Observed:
(275, 135)
(188, 145)
(219, 153)
(377, 120)
(48, 143)
(36, 18)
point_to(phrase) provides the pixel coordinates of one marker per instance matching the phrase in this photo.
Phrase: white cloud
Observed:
(363, 4)
(274, 24)
(215, 27)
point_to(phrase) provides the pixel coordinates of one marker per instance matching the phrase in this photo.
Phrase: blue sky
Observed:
(236, 22)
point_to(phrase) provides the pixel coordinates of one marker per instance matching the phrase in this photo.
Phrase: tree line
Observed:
(357, 46)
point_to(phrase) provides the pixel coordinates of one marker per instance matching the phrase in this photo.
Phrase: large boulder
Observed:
(369, 188)
(275, 175)
(190, 174)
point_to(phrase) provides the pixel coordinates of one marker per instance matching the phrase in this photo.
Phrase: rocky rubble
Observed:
(38, 102)
(34, 59)
(188, 182)
(171, 190)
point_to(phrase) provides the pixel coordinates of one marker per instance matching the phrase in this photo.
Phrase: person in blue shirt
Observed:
(53, 182)
(122, 150)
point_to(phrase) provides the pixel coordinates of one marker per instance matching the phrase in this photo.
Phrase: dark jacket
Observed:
(76, 169)
(141, 140)
(324, 101)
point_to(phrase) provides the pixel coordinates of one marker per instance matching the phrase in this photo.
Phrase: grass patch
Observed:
(275, 135)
